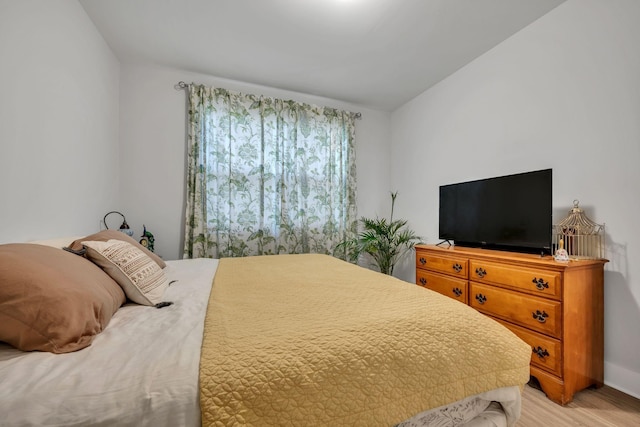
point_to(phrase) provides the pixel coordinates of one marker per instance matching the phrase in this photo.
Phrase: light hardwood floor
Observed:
(603, 407)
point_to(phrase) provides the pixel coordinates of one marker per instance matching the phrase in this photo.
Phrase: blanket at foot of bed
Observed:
(313, 340)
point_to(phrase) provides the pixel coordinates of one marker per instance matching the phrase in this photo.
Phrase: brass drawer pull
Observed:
(481, 272)
(481, 298)
(541, 285)
(457, 291)
(423, 281)
(540, 352)
(540, 316)
(422, 260)
(457, 267)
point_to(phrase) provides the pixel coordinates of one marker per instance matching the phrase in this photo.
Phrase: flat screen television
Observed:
(510, 212)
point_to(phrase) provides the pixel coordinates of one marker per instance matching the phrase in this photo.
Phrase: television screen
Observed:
(510, 212)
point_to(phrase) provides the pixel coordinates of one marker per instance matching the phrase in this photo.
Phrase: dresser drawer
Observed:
(445, 285)
(447, 265)
(535, 281)
(538, 314)
(546, 352)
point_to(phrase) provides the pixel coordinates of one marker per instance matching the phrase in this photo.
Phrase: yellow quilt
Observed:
(309, 340)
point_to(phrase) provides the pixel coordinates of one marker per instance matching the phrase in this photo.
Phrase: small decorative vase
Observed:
(561, 254)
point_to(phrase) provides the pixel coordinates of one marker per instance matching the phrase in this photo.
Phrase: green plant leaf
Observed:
(386, 242)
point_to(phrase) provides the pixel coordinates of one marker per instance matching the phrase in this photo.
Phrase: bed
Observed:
(276, 340)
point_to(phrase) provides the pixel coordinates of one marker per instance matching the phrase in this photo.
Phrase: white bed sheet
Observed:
(481, 410)
(103, 384)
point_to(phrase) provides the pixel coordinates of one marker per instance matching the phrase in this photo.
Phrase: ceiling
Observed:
(374, 53)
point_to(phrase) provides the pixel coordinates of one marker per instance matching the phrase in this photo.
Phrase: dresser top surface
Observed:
(514, 257)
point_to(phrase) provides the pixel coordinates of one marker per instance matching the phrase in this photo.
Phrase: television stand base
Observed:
(448, 242)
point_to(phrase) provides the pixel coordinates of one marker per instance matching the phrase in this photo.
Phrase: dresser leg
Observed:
(552, 386)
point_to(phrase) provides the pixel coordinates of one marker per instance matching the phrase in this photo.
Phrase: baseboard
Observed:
(622, 379)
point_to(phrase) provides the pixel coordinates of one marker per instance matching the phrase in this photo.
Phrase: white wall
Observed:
(153, 143)
(562, 93)
(58, 121)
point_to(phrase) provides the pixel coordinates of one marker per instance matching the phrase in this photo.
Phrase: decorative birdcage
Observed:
(580, 237)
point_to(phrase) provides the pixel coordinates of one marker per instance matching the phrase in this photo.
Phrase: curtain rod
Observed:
(183, 85)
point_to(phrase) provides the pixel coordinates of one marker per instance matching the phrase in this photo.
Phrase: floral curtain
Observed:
(267, 176)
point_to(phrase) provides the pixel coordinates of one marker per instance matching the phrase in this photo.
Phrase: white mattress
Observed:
(142, 370)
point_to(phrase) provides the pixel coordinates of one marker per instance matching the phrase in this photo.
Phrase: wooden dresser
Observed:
(556, 308)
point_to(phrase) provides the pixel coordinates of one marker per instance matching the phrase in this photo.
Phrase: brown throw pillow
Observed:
(105, 235)
(52, 300)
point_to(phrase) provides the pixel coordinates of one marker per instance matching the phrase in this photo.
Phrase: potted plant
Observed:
(387, 242)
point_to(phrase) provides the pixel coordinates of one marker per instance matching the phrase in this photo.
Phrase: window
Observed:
(267, 176)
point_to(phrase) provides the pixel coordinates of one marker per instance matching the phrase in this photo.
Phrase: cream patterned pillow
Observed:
(141, 279)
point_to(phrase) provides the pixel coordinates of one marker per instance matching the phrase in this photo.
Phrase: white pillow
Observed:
(140, 277)
(59, 243)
